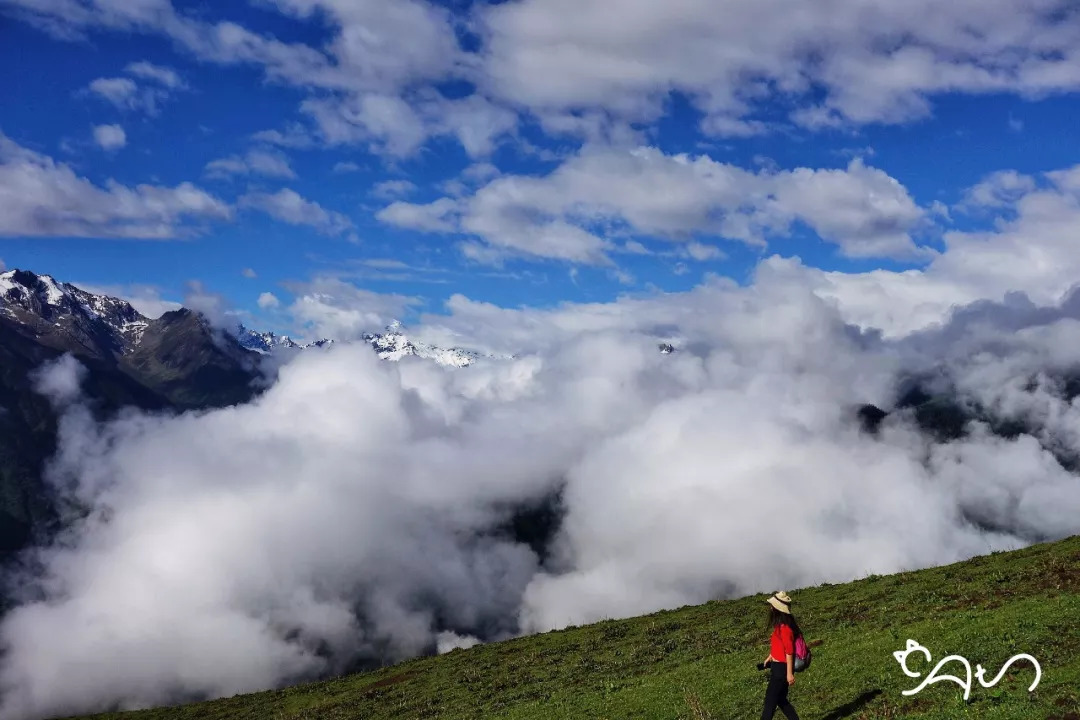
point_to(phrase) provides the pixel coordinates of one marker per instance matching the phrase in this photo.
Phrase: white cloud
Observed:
(268, 301)
(295, 136)
(60, 380)
(432, 217)
(214, 306)
(289, 207)
(163, 75)
(862, 209)
(566, 63)
(42, 197)
(449, 641)
(1028, 250)
(247, 547)
(874, 62)
(388, 123)
(331, 308)
(634, 247)
(249, 273)
(255, 162)
(342, 168)
(573, 213)
(386, 264)
(110, 137)
(126, 94)
(121, 92)
(389, 189)
(702, 252)
(146, 299)
(476, 122)
(999, 189)
(480, 171)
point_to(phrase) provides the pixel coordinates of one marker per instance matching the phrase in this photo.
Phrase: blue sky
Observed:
(186, 99)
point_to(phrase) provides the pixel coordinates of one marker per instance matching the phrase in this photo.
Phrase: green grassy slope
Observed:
(698, 662)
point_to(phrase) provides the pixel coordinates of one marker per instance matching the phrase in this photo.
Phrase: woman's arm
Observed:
(789, 653)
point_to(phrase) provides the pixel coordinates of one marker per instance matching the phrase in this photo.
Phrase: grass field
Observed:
(698, 662)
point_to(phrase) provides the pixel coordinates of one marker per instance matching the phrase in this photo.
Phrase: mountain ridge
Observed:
(176, 362)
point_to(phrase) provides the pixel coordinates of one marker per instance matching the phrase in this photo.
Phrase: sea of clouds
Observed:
(345, 515)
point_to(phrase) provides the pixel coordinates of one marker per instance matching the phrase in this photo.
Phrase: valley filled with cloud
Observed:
(562, 189)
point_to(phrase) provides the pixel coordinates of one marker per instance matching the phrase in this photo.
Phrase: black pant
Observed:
(776, 694)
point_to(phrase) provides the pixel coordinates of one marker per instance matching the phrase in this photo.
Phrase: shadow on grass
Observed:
(849, 709)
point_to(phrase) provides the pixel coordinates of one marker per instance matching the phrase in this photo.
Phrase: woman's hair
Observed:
(778, 618)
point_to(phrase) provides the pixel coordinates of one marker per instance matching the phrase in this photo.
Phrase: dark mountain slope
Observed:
(181, 357)
(28, 426)
(175, 362)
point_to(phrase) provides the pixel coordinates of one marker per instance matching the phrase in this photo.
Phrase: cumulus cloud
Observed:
(351, 513)
(121, 92)
(998, 189)
(371, 85)
(437, 216)
(342, 168)
(254, 162)
(42, 197)
(1028, 249)
(700, 251)
(571, 213)
(249, 273)
(268, 301)
(110, 137)
(388, 189)
(126, 94)
(567, 64)
(329, 307)
(160, 74)
(289, 207)
(295, 136)
(398, 126)
(873, 62)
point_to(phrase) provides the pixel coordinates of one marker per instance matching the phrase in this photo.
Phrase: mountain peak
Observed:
(27, 284)
(61, 314)
(262, 342)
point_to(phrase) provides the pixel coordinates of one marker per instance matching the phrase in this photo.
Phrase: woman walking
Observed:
(781, 658)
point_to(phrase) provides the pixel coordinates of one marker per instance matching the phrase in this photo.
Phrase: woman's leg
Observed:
(777, 687)
(782, 702)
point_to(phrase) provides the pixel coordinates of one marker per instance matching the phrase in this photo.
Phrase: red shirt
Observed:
(782, 643)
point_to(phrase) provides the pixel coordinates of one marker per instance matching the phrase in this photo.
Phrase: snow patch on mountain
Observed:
(37, 299)
(263, 342)
(394, 344)
(43, 304)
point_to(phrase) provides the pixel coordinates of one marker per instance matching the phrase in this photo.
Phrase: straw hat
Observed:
(781, 602)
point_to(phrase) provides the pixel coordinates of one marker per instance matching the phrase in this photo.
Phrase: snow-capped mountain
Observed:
(263, 342)
(393, 344)
(61, 311)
